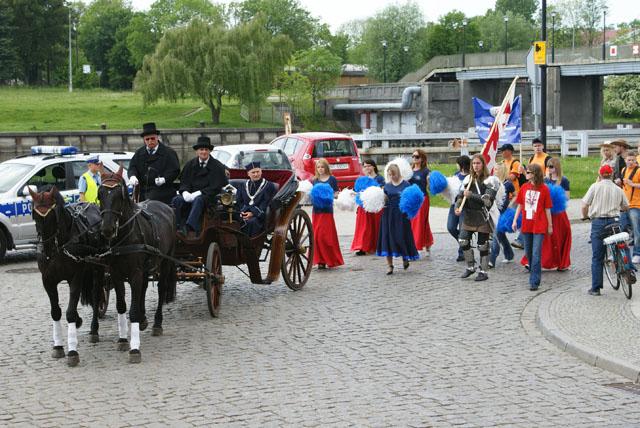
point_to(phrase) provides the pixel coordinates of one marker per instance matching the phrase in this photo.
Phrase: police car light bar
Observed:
(54, 150)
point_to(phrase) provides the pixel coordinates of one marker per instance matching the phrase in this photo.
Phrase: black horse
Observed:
(65, 236)
(139, 236)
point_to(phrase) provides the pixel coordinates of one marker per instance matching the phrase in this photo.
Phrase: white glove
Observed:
(160, 181)
(194, 195)
(133, 180)
(187, 196)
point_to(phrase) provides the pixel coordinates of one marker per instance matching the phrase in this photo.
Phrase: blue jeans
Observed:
(191, 210)
(500, 239)
(598, 251)
(533, 251)
(634, 219)
(453, 225)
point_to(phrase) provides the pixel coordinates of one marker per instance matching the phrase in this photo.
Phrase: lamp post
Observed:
(553, 37)
(384, 60)
(405, 57)
(464, 41)
(70, 56)
(480, 45)
(543, 81)
(506, 23)
(604, 35)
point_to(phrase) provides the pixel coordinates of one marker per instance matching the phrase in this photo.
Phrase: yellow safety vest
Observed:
(91, 194)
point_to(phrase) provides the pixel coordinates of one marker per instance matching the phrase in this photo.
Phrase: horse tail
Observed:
(170, 282)
(86, 292)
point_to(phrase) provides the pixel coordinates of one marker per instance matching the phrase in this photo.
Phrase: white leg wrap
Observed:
(135, 335)
(122, 326)
(57, 333)
(72, 337)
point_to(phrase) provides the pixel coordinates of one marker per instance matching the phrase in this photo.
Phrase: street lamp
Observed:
(464, 41)
(506, 23)
(604, 35)
(480, 44)
(384, 60)
(553, 37)
(70, 56)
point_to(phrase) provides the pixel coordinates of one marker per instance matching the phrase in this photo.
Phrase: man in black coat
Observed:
(253, 199)
(203, 177)
(154, 167)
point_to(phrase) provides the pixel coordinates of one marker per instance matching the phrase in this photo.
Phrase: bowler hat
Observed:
(203, 143)
(149, 129)
(506, 146)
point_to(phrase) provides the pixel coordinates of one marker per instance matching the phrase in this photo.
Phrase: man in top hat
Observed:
(512, 165)
(620, 148)
(203, 177)
(154, 167)
(253, 199)
(89, 182)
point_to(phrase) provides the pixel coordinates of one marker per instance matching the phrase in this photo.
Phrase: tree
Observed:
(286, 17)
(8, 57)
(520, 31)
(591, 14)
(526, 8)
(446, 38)
(141, 39)
(167, 14)
(320, 67)
(296, 90)
(570, 12)
(623, 95)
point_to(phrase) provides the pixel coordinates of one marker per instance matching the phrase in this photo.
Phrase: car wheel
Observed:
(3, 244)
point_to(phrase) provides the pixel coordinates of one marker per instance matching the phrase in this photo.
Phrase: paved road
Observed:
(355, 347)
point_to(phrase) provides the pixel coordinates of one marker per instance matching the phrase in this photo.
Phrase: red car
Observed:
(338, 149)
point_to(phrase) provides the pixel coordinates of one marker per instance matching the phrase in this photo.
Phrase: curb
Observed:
(566, 343)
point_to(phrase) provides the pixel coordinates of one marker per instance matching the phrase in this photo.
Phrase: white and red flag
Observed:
(490, 148)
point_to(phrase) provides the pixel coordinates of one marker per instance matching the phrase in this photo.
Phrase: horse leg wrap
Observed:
(122, 326)
(72, 337)
(57, 333)
(135, 335)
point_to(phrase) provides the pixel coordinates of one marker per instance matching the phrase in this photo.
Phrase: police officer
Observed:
(154, 167)
(89, 182)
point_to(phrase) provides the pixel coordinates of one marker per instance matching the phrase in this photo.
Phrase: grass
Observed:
(581, 172)
(55, 109)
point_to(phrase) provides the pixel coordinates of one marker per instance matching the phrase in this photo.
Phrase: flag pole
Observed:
(503, 105)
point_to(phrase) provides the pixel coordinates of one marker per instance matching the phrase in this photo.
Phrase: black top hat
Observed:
(506, 146)
(203, 143)
(252, 165)
(149, 129)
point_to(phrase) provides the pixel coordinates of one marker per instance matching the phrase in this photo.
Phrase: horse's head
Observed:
(114, 199)
(45, 212)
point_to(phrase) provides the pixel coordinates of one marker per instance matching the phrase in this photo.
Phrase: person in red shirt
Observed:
(534, 202)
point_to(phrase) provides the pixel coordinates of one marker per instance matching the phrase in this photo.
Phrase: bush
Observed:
(622, 96)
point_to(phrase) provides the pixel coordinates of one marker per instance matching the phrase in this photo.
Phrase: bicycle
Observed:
(616, 260)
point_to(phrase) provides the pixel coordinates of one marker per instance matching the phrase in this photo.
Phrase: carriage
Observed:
(285, 244)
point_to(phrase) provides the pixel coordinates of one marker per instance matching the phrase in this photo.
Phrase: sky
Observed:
(337, 12)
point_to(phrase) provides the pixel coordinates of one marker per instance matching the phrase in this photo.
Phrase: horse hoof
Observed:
(157, 331)
(122, 345)
(57, 352)
(94, 338)
(144, 324)
(135, 356)
(79, 322)
(73, 358)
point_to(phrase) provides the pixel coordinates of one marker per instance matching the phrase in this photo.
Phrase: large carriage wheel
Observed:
(298, 251)
(213, 285)
(103, 301)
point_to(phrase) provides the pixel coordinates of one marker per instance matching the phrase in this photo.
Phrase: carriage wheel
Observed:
(103, 301)
(298, 251)
(213, 285)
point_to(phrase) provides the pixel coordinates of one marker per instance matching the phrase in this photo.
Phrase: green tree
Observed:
(520, 31)
(8, 57)
(526, 8)
(623, 95)
(591, 12)
(447, 38)
(295, 89)
(283, 17)
(167, 14)
(320, 67)
(569, 10)
(141, 39)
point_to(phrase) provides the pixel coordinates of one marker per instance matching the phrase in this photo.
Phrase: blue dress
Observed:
(420, 179)
(396, 237)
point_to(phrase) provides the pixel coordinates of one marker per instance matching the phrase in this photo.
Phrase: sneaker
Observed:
(427, 252)
(534, 287)
(518, 245)
(467, 273)
(594, 292)
(507, 261)
(361, 253)
(482, 276)
(322, 266)
(527, 267)
(635, 260)
(491, 265)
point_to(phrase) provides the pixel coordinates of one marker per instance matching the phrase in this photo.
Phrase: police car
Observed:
(46, 165)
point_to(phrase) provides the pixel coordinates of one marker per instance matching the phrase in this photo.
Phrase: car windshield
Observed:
(268, 160)
(11, 173)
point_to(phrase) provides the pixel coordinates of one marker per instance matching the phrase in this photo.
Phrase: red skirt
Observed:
(420, 226)
(365, 237)
(556, 249)
(325, 238)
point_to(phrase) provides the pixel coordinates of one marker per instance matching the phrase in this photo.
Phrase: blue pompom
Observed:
(321, 196)
(558, 198)
(364, 182)
(506, 220)
(437, 182)
(410, 200)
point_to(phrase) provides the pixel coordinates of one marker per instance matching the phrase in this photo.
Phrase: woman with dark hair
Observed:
(534, 202)
(474, 202)
(453, 221)
(365, 236)
(420, 223)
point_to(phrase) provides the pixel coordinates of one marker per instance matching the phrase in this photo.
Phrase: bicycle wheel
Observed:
(609, 266)
(626, 285)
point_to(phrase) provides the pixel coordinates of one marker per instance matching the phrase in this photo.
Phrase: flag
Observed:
(490, 148)
(484, 115)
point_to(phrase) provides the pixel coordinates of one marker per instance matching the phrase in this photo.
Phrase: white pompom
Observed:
(372, 199)
(406, 172)
(346, 200)
(454, 185)
(305, 186)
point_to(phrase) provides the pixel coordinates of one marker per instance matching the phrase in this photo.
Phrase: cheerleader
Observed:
(396, 237)
(556, 249)
(326, 246)
(420, 223)
(365, 237)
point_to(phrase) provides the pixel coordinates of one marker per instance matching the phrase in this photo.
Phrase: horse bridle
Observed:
(110, 184)
(44, 241)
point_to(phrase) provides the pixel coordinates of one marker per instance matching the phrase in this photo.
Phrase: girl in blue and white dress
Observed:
(396, 237)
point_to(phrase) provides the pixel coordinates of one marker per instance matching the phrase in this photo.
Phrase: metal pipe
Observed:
(407, 99)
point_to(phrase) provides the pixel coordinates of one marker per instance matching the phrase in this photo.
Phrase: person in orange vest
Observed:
(631, 184)
(512, 165)
(89, 182)
(539, 156)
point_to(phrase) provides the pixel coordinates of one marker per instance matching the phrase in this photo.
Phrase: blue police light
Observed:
(54, 150)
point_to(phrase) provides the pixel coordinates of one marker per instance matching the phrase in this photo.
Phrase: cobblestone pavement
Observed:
(355, 347)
